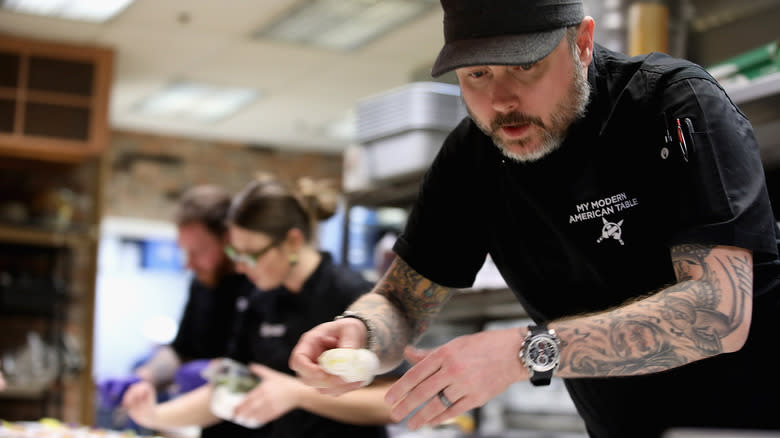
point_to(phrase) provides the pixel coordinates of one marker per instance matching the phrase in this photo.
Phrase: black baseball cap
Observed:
(503, 32)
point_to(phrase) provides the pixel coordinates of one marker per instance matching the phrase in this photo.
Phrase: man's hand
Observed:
(469, 370)
(342, 333)
(140, 400)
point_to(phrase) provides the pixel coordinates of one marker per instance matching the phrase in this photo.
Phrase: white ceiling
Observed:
(304, 90)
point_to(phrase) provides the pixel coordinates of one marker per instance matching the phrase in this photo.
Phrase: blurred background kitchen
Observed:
(110, 109)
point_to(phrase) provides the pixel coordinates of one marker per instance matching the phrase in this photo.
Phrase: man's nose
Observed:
(504, 92)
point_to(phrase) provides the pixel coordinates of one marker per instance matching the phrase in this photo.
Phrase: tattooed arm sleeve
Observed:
(707, 312)
(401, 308)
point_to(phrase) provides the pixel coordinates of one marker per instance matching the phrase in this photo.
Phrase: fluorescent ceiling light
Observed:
(85, 10)
(344, 128)
(200, 102)
(343, 24)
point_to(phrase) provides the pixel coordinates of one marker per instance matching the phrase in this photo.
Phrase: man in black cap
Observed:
(622, 199)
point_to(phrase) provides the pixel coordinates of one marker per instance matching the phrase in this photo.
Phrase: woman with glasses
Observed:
(273, 243)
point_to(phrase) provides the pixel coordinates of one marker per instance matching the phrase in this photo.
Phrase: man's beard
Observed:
(570, 109)
(212, 278)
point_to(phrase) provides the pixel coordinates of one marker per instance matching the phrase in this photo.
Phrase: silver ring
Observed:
(444, 400)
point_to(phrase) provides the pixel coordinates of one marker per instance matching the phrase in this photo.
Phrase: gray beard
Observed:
(571, 109)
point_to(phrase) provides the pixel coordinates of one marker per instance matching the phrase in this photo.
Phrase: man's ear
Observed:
(585, 40)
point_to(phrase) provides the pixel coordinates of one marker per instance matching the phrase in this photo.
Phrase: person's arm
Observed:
(706, 313)
(280, 393)
(161, 367)
(364, 406)
(400, 308)
(190, 409)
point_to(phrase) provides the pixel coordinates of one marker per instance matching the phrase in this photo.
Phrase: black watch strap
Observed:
(541, 378)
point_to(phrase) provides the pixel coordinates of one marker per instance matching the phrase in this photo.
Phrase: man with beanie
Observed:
(622, 199)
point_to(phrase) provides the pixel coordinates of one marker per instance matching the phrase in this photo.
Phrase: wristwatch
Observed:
(540, 353)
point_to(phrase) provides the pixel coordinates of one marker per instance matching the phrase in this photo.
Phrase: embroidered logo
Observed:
(242, 303)
(611, 230)
(272, 330)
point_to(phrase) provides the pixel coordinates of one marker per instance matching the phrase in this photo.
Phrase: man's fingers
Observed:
(303, 359)
(418, 373)
(414, 355)
(308, 371)
(446, 404)
(427, 389)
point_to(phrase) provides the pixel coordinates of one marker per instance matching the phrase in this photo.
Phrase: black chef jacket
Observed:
(591, 225)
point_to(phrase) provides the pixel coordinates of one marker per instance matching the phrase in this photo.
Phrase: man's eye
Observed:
(477, 74)
(526, 67)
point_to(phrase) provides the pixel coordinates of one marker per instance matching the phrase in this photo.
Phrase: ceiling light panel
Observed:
(343, 24)
(83, 10)
(196, 102)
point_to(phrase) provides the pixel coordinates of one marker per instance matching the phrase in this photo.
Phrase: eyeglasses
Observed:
(248, 259)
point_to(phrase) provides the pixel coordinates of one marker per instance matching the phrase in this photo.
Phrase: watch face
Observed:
(542, 353)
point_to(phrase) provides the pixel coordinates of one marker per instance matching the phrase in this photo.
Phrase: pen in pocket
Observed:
(685, 137)
(681, 141)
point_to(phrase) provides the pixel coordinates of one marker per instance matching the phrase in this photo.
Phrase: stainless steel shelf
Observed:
(757, 89)
(482, 304)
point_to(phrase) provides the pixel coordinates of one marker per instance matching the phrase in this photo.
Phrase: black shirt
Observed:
(207, 326)
(591, 225)
(207, 322)
(274, 322)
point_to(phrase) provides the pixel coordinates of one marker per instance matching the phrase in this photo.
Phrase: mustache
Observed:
(514, 118)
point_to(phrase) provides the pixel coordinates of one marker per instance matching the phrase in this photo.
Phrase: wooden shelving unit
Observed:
(53, 135)
(39, 237)
(53, 99)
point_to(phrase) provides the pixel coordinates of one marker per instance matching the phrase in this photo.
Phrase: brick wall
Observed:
(148, 172)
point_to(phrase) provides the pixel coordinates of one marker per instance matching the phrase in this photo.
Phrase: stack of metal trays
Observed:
(401, 130)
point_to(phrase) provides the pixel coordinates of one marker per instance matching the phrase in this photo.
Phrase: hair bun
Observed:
(319, 196)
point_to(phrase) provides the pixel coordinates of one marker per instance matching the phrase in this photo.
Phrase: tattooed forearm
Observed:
(682, 323)
(402, 307)
(392, 334)
(742, 285)
(418, 298)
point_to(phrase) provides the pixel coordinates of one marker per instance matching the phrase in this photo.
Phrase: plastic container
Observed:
(232, 381)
